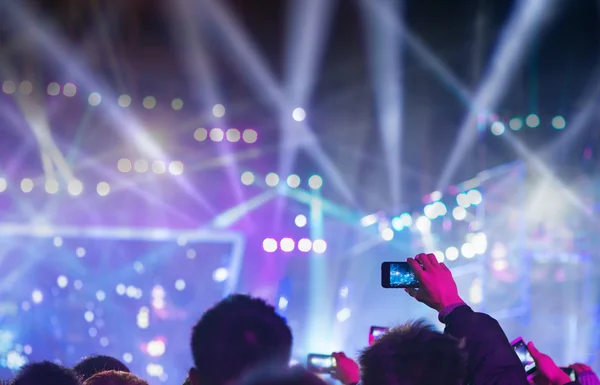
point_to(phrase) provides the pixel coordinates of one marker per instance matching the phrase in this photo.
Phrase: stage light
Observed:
(299, 114)
(319, 246)
(77, 284)
(89, 316)
(459, 213)
(500, 265)
(247, 178)
(177, 104)
(218, 110)
(124, 165)
(480, 243)
(429, 212)
(423, 224)
(37, 296)
(287, 245)
(300, 220)
(387, 234)
(25, 87)
(439, 256)
(15, 360)
(176, 167)
(26, 185)
(475, 197)
(463, 200)
(58, 241)
(103, 189)
(515, 124)
(397, 224)
(94, 99)
(272, 179)
(467, 250)
(3, 184)
(128, 358)
(180, 284)
(140, 165)
(282, 303)
(190, 253)
(100, 295)
(121, 289)
(51, 186)
(452, 253)
(75, 187)
(201, 134)
(344, 292)
(69, 90)
(216, 135)
(143, 318)
(315, 182)
(406, 219)
(221, 274)
(53, 89)
(9, 87)
(80, 252)
(149, 102)
(439, 209)
(293, 181)
(368, 220)
(159, 167)
(304, 245)
(476, 292)
(250, 136)
(270, 245)
(124, 101)
(62, 281)
(498, 128)
(233, 135)
(344, 314)
(156, 348)
(532, 120)
(154, 370)
(27, 349)
(559, 123)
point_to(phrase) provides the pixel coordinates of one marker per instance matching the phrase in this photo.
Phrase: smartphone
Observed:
(524, 355)
(320, 363)
(375, 333)
(398, 275)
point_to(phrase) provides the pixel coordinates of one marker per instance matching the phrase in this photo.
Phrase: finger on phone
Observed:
(424, 260)
(412, 292)
(416, 267)
(433, 260)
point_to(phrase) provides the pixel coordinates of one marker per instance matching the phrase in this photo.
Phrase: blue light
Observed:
(397, 224)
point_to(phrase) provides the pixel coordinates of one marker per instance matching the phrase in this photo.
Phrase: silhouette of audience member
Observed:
(414, 353)
(548, 373)
(281, 376)
(91, 365)
(113, 377)
(236, 335)
(45, 373)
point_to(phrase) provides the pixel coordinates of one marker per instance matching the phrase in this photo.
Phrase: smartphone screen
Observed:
(320, 363)
(397, 275)
(376, 332)
(524, 355)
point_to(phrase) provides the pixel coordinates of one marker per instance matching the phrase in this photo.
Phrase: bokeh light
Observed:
(498, 128)
(250, 136)
(159, 167)
(53, 89)
(94, 99)
(103, 189)
(69, 90)
(247, 178)
(467, 250)
(176, 167)
(221, 274)
(270, 245)
(177, 104)
(25, 88)
(315, 182)
(319, 246)
(9, 87)
(515, 124)
(305, 245)
(459, 213)
(559, 123)
(233, 135)
(141, 165)
(26, 185)
(300, 220)
(532, 120)
(423, 224)
(124, 165)
(149, 102)
(201, 134)
(287, 245)
(3, 184)
(452, 253)
(216, 135)
(51, 186)
(218, 110)
(299, 114)
(75, 187)
(293, 181)
(272, 179)
(124, 101)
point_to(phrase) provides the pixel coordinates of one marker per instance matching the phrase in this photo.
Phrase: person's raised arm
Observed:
(491, 359)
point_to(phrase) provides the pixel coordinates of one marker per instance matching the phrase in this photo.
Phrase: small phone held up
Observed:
(524, 355)
(376, 332)
(320, 363)
(398, 275)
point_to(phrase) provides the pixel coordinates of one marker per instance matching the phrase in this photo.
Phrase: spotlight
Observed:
(300, 220)
(459, 213)
(177, 104)
(344, 314)
(103, 189)
(124, 101)
(124, 165)
(53, 89)
(315, 182)
(423, 224)
(282, 303)
(293, 181)
(463, 200)
(25, 87)
(218, 110)
(299, 114)
(26, 185)
(451, 253)
(287, 245)
(51, 186)
(149, 102)
(141, 165)
(272, 179)
(75, 187)
(467, 250)
(233, 135)
(159, 167)
(387, 234)
(221, 274)
(250, 136)
(94, 99)
(498, 128)
(559, 123)
(270, 245)
(216, 135)
(515, 124)
(201, 134)
(305, 245)
(176, 167)
(319, 246)
(69, 90)
(247, 178)
(397, 224)
(533, 120)
(475, 197)
(406, 219)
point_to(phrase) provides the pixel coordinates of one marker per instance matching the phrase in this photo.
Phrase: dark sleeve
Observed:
(491, 359)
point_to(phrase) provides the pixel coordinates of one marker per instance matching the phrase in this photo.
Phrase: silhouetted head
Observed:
(113, 377)
(236, 335)
(413, 354)
(296, 375)
(45, 373)
(91, 365)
